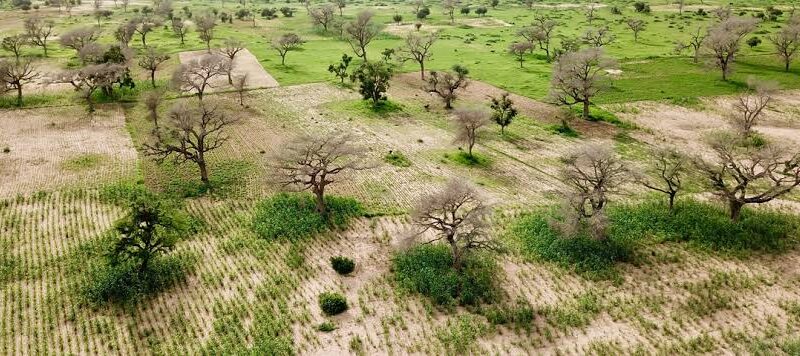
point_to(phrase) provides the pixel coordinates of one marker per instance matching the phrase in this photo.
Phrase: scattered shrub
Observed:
(397, 158)
(342, 265)
(332, 303)
(293, 216)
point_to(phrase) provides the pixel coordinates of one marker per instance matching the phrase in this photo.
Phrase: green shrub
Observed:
(326, 327)
(342, 265)
(397, 158)
(332, 303)
(464, 159)
(293, 216)
(427, 270)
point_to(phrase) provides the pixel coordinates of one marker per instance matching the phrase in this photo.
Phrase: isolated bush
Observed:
(427, 270)
(397, 158)
(122, 283)
(293, 216)
(332, 303)
(342, 265)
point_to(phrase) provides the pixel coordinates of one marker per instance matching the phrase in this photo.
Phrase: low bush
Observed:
(464, 159)
(397, 158)
(293, 216)
(342, 265)
(332, 303)
(427, 270)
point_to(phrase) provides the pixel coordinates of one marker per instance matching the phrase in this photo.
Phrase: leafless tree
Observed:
(231, 48)
(580, 76)
(665, 172)
(152, 101)
(341, 4)
(195, 75)
(591, 9)
(724, 41)
(593, 172)
(14, 44)
(145, 25)
(787, 43)
(125, 32)
(543, 34)
(360, 32)
(529, 34)
(636, 25)
(468, 122)
(744, 175)
(722, 13)
(240, 85)
(15, 74)
(79, 38)
(125, 4)
(450, 8)
(322, 15)
(598, 37)
(459, 217)
(180, 28)
(88, 79)
(313, 163)
(193, 131)
(205, 28)
(150, 60)
(445, 84)
(39, 30)
(92, 52)
(750, 105)
(695, 42)
(286, 43)
(417, 48)
(519, 50)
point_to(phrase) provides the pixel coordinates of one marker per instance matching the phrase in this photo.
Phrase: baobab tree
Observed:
(314, 162)
(519, 50)
(724, 41)
(38, 30)
(360, 32)
(744, 174)
(15, 74)
(231, 48)
(286, 43)
(417, 48)
(503, 111)
(150, 60)
(191, 132)
(665, 172)
(459, 217)
(636, 25)
(445, 84)
(195, 75)
(205, 29)
(749, 106)
(469, 121)
(787, 43)
(14, 44)
(579, 76)
(322, 15)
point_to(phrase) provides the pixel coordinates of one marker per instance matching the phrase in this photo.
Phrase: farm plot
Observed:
(245, 63)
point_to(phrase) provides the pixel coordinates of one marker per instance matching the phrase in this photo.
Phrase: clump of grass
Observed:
(326, 327)
(563, 130)
(293, 216)
(578, 313)
(520, 315)
(332, 303)
(465, 159)
(342, 265)
(685, 101)
(397, 158)
(427, 270)
(459, 337)
(83, 162)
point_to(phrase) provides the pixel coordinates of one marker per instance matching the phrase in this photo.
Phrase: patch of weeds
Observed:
(295, 258)
(326, 327)
(566, 131)
(598, 114)
(687, 102)
(397, 158)
(83, 162)
(460, 336)
(464, 159)
(365, 108)
(224, 178)
(294, 216)
(575, 314)
(357, 345)
(521, 315)
(342, 265)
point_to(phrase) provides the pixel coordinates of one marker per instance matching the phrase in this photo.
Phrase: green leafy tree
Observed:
(373, 79)
(340, 69)
(503, 111)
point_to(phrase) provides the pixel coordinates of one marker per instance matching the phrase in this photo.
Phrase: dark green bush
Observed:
(342, 265)
(427, 270)
(332, 303)
(293, 216)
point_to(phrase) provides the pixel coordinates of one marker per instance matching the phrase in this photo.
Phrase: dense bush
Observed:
(332, 303)
(294, 216)
(427, 270)
(121, 283)
(342, 265)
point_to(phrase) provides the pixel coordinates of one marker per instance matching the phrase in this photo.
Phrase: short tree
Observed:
(459, 217)
(665, 172)
(341, 4)
(636, 26)
(322, 16)
(152, 101)
(205, 29)
(749, 106)
(397, 18)
(598, 37)
(14, 44)
(240, 86)
(314, 162)
(39, 30)
(469, 122)
(340, 69)
(450, 8)
(481, 11)
(787, 43)
(445, 84)
(15, 74)
(360, 32)
(417, 48)
(195, 76)
(125, 32)
(743, 174)
(503, 111)
(578, 77)
(88, 79)
(544, 28)
(191, 132)
(286, 43)
(231, 48)
(145, 25)
(724, 41)
(373, 79)
(696, 40)
(150, 61)
(180, 28)
(519, 50)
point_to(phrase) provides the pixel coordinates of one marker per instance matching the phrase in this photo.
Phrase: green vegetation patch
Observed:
(599, 114)
(464, 159)
(293, 216)
(397, 158)
(83, 162)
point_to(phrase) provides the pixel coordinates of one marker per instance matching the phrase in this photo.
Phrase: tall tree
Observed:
(360, 32)
(579, 76)
(39, 30)
(373, 79)
(151, 60)
(14, 75)
(724, 41)
(205, 29)
(231, 48)
(322, 15)
(417, 48)
(195, 76)
(787, 43)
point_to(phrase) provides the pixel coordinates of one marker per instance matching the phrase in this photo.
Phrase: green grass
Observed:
(83, 162)
(293, 216)
(464, 159)
(397, 158)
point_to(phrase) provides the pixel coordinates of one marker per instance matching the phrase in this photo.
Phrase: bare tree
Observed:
(468, 123)
(592, 173)
(417, 48)
(14, 44)
(240, 85)
(205, 29)
(528, 33)
(360, 32)
(695, 42)
(230, 50)
(445, 84)
(322, 15)
(519, 50)
(598, 37)
(667, 168)
(724, 41)
(152, 101)
(125, 32)
(180, 28)
(459, 217)
(636, 25)
(125, 4)
(39, 30)
(14, 75)
(722, 13)
(195, 76)
(591, 9)
(341, 4)
(313, 163)
(88, 79)
(286, 43)
(580, 76)
(450, 8)
(79, 38)
(787, 43)
(543, 35)
(150, 61)
(749, 175)
(145, 25)
(193, 130)
(750, 105)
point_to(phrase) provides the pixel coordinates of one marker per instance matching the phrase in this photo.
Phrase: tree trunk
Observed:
(283, 59)
(786, 64)
(671, 201)
(45, 50)
(153, 78)
(586, 110)
(457, 265)
(736, 209)
(422, 69)
(201, 163)
(143, 267)
(319, 197)
(19, 95)
(144, 41)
